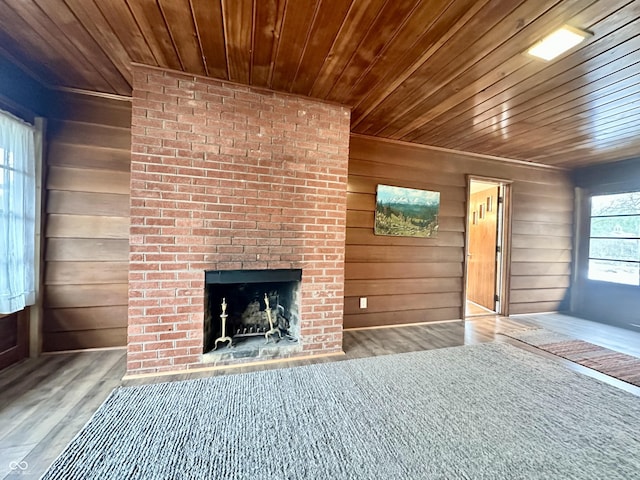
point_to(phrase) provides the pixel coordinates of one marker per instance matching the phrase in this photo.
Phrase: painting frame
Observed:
(406, 212)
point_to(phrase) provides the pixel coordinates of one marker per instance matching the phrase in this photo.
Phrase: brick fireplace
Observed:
(230, 177)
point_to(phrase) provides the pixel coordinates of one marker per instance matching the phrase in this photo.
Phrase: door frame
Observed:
(505, 281)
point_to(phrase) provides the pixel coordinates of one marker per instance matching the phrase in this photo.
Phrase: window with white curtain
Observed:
(17, 213)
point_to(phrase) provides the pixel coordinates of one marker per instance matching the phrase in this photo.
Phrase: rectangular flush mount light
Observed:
(558, 42)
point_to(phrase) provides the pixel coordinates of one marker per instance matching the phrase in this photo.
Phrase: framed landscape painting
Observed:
(406, 212)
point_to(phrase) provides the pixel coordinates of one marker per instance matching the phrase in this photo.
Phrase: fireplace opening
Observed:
(251, 312)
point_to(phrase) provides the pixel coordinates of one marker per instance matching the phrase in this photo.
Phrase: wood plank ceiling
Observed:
(449, 73)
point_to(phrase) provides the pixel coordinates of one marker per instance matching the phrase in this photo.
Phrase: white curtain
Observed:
(17, 213)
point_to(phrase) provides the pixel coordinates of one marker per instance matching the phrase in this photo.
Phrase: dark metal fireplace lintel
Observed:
(252, 276)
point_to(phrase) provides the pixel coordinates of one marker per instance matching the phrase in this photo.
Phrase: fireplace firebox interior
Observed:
(250, 311)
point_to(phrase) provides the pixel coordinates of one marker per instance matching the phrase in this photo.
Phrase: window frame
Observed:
(589, 217)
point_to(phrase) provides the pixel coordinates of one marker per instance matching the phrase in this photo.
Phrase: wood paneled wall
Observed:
(87, 223)
(419, 280)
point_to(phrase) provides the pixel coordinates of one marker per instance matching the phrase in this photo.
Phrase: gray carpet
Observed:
(487, 411)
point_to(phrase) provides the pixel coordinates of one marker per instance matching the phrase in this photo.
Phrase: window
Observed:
(17, 214)
(614, 240)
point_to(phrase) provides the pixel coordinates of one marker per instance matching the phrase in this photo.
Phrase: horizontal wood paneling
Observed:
(82, 273)
(87, 228)
(96, 135)
(86, 249)
(399, 254)
(365, 236)
(358, 288)
(400, 317)
(535, 307)
(88, 156)
(89, 318)
(540, 241)
(540, 255)
(541, 229)
(81, 203)
(538, 295)
(394, 303)
(87, 180)
(539, 268)
(420, 279)
(98, 295)
(80, 339)
(535, 281)
(405, 269)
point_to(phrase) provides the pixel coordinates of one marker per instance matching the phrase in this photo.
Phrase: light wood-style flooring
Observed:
(474, 310)
(44, 402)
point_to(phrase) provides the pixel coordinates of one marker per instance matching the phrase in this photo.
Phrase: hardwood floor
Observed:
(473, 309)
(46, 401)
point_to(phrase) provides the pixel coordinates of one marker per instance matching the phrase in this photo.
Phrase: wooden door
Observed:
(483, 235)
(14, 338)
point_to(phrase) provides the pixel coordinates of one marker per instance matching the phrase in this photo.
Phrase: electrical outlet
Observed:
(363, 302)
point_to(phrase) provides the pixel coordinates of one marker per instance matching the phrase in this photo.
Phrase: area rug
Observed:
(615, 364)
(490, 411)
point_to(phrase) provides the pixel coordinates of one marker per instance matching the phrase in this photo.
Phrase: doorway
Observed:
(486, 247)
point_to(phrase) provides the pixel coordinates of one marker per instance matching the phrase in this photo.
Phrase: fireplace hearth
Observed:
(251, 313)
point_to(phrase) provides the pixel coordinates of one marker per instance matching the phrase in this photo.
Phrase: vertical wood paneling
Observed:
(293, 38)
(269, 17)
(207, 17)
(419, 280)
(179, 19)
(238, 32)
(87, 225)
(148, 17)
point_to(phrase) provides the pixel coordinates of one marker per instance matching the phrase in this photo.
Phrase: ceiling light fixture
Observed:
(558, 42)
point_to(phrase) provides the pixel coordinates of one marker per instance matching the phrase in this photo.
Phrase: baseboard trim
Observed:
(80, 350)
